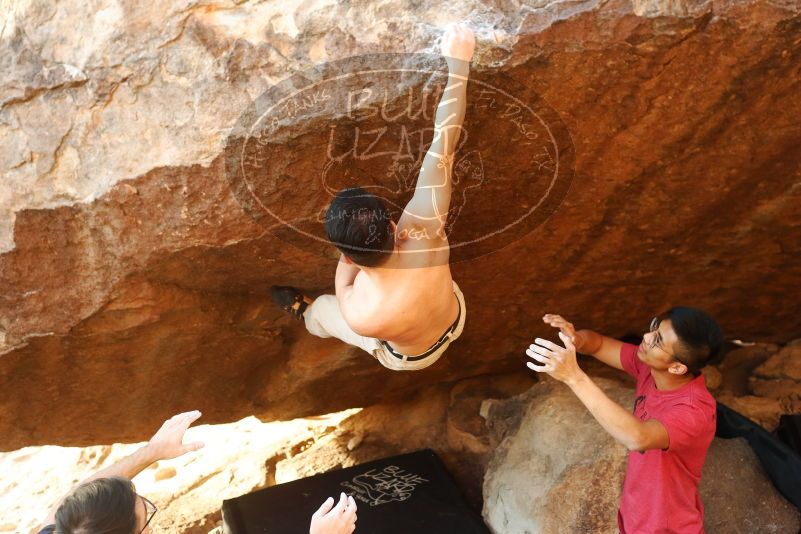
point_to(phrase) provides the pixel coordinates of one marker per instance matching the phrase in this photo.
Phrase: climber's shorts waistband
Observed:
(397, 361)
(446, 336)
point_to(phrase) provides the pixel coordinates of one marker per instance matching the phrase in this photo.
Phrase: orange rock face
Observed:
(680, 167)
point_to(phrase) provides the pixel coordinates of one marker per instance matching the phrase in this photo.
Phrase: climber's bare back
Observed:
(412, 304)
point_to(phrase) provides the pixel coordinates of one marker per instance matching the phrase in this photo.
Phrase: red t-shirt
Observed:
(660, 492)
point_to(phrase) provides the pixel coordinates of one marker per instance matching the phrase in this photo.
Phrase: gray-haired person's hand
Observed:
(339, 519)
(168, 443)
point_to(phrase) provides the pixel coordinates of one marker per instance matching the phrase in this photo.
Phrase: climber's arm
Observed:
(627, 429)
(343, 281)
(428, 208)
(165, 444)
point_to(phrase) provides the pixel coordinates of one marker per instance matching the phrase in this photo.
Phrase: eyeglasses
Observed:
(150, 511)
(656, 339)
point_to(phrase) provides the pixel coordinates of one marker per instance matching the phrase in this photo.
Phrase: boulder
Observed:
(738, 365)
(556, 470)
(757, 381)
(618, 157)
(738, 497)
(552, 452)
(762, 410)
(780, 377)
(713, 377)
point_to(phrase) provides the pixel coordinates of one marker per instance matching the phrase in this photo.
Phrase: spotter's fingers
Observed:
(325, 508)
(349, 516)
(548, 345)
(551, 355)
(542, 358)
(541, 349)
(567, 340)
(539, 368)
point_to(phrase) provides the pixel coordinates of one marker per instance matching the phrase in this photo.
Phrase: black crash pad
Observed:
(411, 493)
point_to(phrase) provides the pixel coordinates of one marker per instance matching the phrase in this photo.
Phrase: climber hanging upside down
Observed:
(395, 297)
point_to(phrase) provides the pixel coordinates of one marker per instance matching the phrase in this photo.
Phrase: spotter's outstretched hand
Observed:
(559, 362)
(168, 443)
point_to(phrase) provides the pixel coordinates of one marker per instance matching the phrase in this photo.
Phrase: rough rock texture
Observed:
(733, 485)
(762, 381)
(189, 490)
(134, 283)
(738, 365)
(780, 376)
(553, 452)
(763, 411)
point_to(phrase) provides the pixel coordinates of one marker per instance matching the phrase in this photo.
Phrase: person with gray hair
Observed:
(107, 502)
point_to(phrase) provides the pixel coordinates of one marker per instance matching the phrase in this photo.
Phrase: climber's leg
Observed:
(324, 319)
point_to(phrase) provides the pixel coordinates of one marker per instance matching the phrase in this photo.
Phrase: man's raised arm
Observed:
(603, 348)
(428, 208)
(166, 443)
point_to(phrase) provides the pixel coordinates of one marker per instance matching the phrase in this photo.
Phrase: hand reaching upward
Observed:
(458, 42)
(564, 326)
(167, 442)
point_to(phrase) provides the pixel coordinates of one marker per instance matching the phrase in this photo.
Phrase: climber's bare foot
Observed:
(291, 300)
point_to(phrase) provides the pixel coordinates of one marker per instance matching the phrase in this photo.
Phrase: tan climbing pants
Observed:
(324, 319)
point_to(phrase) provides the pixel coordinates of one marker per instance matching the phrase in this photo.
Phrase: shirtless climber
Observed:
(395, 297)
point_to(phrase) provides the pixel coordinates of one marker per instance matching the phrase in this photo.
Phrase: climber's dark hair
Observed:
(100, 506)
(699, 336)
(358, 223)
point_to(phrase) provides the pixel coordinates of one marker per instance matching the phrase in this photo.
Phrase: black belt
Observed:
(433, 347)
